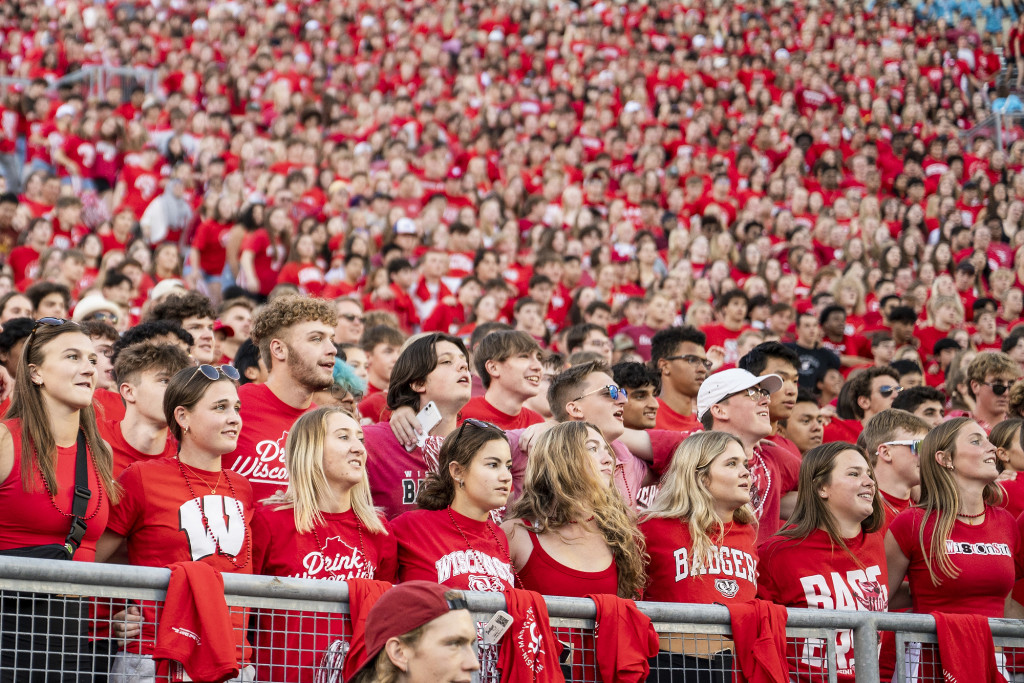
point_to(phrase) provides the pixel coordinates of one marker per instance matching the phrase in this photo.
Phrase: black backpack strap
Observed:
(81, 499)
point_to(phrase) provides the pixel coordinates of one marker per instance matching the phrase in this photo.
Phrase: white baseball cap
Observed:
(728, 382)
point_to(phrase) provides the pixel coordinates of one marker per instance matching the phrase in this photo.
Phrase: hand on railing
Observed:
(126, 625)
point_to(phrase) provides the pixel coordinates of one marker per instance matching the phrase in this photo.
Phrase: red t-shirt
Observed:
(108, 406)
(839, 429)
(480, 409)
(728, 576)
(396, 474)
(432, 546)
(374, 408)
(986, 555)
(774, 472)
(720, 335)
(268, 258)
(163, 523)
(209, 241)
(259, 455)
(293, 644)
(670, 419)
(813, 572)
(893, 506)
(31, 518)
(1013, 500)
(124, 453)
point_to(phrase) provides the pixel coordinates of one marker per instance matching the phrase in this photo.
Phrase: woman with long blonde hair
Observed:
(571, 533)
(957, 546)
(324, 526)
(701, 536)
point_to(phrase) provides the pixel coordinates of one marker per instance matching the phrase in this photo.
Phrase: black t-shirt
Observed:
(814, 363)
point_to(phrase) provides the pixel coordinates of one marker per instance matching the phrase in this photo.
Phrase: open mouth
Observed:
(617, 415)
(233, 433)
(356, 462)
(465, 379)
(533, 379)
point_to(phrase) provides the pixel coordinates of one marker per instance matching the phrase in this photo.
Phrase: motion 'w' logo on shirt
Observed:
(224, 526)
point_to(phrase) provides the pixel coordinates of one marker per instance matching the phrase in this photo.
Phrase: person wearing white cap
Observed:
(735, 401)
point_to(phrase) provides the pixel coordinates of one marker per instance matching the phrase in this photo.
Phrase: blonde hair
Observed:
(941, 497)
(684, 493)
(562, 485)
(307, 484)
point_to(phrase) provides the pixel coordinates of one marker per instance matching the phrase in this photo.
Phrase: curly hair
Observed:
(562, 485)
(180, 306)
(285, 312)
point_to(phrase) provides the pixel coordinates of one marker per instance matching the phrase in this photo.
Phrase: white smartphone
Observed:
(429, 417)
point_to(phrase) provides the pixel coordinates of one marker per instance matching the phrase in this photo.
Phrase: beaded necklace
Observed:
(620, 468)
(496, 541)
(206, 522)
(53, 496)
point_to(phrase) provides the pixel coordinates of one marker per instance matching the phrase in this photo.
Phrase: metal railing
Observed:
(299, 628)
(94, 81)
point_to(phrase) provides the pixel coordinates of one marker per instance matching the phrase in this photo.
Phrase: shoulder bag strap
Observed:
(81, 500)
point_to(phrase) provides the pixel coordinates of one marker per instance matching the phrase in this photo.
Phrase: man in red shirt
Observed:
(294, 338)
(870, 392)
(678, 355)
(731, 309)
(772, 358)
(508, 362)
(381, 343)
(892, 440)
(142, 371)
(990, 376)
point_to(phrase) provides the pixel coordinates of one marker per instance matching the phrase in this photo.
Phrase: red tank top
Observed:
(29, 518)
(548, 576)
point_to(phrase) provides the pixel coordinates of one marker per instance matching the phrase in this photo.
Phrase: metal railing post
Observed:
(865, 639)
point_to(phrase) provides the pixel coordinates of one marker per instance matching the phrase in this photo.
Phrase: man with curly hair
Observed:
(294, 336)
(195, 314)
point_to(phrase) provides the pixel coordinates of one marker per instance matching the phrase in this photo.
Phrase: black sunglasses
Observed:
(352, 318)
(998, 388)
(213, 373)
(48, 322)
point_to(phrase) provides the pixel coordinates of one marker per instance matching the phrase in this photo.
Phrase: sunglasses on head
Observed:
(47, 322)
(613, 392)
(213, 373)
(999, 388)
(886, 391)
(472, 422)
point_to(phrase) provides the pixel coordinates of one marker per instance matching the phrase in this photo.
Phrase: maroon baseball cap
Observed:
(401, 609)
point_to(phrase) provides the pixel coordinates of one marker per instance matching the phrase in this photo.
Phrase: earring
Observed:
(462, 484)
(186, 429)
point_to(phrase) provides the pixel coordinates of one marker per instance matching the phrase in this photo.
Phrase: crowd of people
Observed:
(667, 301)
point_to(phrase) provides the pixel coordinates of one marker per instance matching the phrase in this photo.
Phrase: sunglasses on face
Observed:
(887, 390)
(692, 360)
(998, 388)
(613, 392)
(213, 373)
(352, 318)
(912, 444)
(104, 316)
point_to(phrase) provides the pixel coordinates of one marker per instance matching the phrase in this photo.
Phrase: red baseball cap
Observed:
(401, 609)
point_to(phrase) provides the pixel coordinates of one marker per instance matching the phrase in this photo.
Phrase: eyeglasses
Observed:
(913, 444)
(692, 360)
(613, 392)
(998, 388)
(473, 422)
(886, 391)
(352, 317)
(213, 373)
(755, 394)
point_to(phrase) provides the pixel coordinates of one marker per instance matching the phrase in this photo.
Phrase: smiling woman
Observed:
(830, 555)
(184, 509)
(50, 428)
(323, 527)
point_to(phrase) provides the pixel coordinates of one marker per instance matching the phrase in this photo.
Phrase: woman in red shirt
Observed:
(831, 553)
(958, 549)
(452, 539)
(570, 533)
(263, 253)
(49, 425)
(301, 269)
(701, 537)
(184, 509)
(322, 527)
